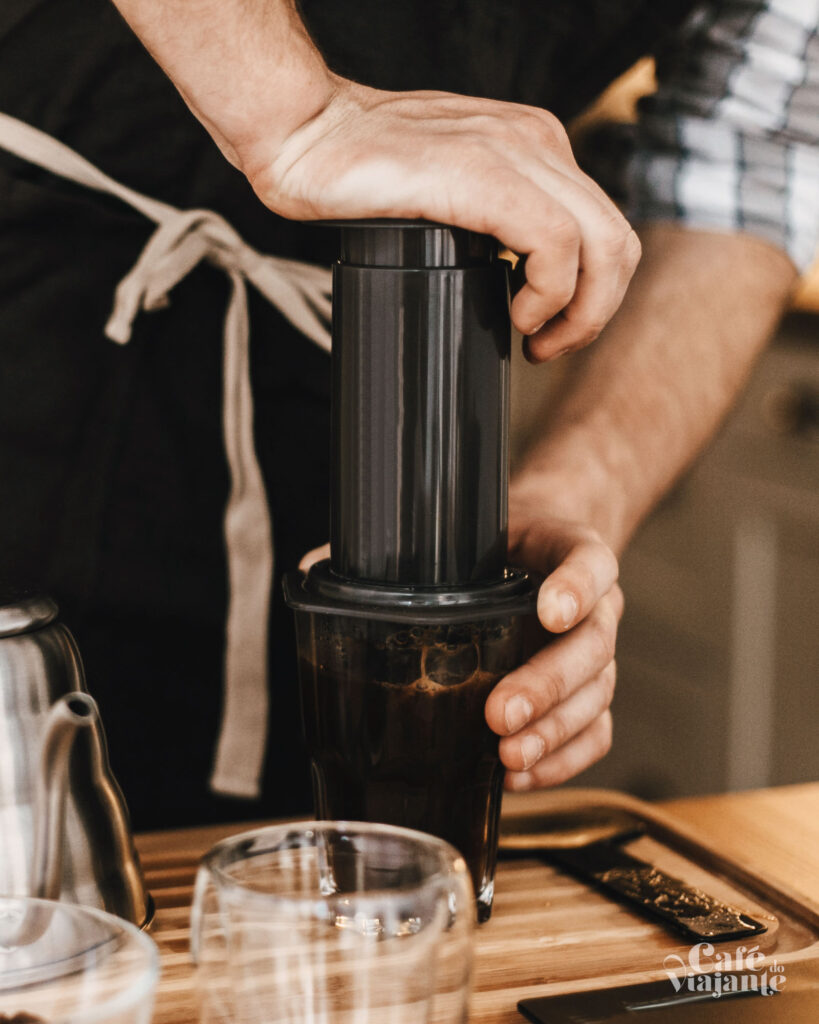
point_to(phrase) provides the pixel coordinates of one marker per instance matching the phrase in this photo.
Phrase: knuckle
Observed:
(605, 560)
(589, 535)
(591, 330)
(611, 618)
(559, 730)
(563, 294)
(617, 600)
(612, 564)
(619, 242)
(608, 680)
(586, 324)
(614, 240)
(583, 580)
(551, 688)
(582, 343)
(549, 119)
(558, 771)
(526, 119)
(603, 735)
(558, 292)
(564, 232)
(549, 128)
(603, 634)
(633, 249)
(585, 339)
(527, 679)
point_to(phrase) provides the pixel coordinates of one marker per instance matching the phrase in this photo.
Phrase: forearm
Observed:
(237, 64)
(316, 146)
(640, 403)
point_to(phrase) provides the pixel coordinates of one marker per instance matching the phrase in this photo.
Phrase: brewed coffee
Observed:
(395, 728)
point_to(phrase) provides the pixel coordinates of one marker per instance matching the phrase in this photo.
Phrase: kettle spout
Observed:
(68, 715)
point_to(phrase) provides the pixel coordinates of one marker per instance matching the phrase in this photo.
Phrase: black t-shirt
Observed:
(111, 459)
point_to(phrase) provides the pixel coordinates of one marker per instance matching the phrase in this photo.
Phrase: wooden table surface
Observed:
(776, 829)
(774, 832)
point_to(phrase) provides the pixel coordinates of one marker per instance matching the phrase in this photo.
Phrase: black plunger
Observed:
(421, 340)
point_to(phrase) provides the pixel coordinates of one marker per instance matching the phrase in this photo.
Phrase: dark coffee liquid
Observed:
(396, 732)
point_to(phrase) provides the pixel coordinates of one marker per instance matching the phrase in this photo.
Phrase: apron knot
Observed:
(183, 239)
(301, 292)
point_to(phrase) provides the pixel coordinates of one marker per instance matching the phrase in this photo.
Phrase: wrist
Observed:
(572, 476)
(251, 125)
(287, 103)
(247, 71)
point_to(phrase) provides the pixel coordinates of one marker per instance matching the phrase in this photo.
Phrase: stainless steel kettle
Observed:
(64, 828)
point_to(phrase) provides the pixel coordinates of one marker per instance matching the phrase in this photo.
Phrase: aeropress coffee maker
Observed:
(406, 628)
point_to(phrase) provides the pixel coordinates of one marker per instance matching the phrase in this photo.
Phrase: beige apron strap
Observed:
(302, 293)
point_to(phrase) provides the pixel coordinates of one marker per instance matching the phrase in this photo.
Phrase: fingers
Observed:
(568, 594)
(580, 263)
(561, 725)
(580, 753)
(586, 567)
(499, 168)
(528, 220)
(553, 711)
(580, 256)
(609, 251)
(604, 274)
(552, 249)
(555, 672)
(316, 555)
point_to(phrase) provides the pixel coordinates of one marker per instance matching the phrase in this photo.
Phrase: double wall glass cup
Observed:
(333, 923)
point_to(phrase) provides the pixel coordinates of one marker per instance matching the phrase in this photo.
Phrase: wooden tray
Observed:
(548, 933)
(551, 934)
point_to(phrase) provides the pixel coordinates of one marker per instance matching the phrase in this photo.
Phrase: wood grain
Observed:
(548, 932)
(775, 829)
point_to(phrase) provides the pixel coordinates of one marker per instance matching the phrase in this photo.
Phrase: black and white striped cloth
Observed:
(730, 140)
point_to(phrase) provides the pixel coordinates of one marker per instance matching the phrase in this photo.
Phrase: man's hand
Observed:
(553, 711)
(503, 169)
(315, 145)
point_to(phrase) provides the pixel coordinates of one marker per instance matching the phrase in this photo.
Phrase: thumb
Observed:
(316, 555)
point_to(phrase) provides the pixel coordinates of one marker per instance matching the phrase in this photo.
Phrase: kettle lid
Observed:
(23, 609)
